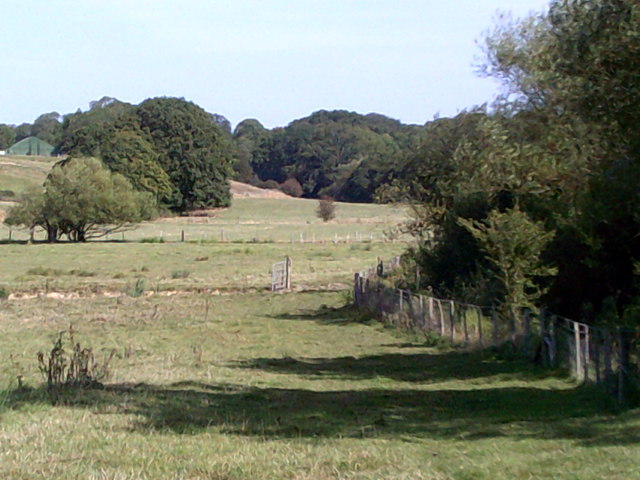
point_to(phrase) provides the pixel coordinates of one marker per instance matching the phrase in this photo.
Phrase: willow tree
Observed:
(83, 199)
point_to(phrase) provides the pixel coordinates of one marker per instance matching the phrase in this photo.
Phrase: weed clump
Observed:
(176, 274)
(138, 289)
(68, 364)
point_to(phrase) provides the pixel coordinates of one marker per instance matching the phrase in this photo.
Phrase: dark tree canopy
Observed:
(48, 127)
(7, 136)
(338, 153)
(192, 149)
(166, 146)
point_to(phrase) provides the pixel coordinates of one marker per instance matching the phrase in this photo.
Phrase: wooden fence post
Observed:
(452, 319)
(553, 343)
(578, 351)
(623, 362)
(494, 321)
(463, 312)
(608, 370)
(586, 358)
(479, 314)
(431, 322)
(441, 315)
(543, 334)
(288, 265)
(527, 332)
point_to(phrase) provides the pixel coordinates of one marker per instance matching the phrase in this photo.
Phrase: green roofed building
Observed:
(31, 146)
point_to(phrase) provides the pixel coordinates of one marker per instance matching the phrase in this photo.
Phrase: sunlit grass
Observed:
(289, 386)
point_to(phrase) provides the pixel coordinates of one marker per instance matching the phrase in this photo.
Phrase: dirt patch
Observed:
(244, 190)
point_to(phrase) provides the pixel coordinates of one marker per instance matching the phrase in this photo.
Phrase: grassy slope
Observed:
(19, 173)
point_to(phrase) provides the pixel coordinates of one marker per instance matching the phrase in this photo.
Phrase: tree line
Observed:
(536, 200)
(340, 154)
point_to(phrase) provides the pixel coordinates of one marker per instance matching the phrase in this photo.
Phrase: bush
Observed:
(292, 187)
(270, 185)
(326, 209)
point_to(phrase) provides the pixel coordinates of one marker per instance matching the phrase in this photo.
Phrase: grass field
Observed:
(264, 220)
(254, 385)
(214, 377)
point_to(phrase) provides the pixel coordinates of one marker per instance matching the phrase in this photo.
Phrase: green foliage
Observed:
(180, 274)
(131, 155)
(166, 146)
(7, 136)
(192, 149)
(559, 148)
(137, 289)
(513, 244)
(338, 153)
(82, 199)
(48, 127)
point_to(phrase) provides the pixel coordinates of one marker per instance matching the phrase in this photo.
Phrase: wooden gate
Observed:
(281, 275)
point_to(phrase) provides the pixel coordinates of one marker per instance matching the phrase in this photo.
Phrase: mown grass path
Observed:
(289, 387)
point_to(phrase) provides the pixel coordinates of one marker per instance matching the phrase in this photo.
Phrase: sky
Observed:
(273, 60)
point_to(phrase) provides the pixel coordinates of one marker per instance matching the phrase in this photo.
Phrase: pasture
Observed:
(215, 377)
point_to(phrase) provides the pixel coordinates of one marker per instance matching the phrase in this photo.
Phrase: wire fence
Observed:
(608, 356)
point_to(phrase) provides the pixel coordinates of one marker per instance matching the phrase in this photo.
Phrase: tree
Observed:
(580, 62)
(514, 245)
(82, 199)
(7, 137)
(326, 209)
(335, 153)
(22, 131)
(48, 127)
(131, 155)
(248, 135)
(191, 148)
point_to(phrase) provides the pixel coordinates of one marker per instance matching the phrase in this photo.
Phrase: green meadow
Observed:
(212, 376)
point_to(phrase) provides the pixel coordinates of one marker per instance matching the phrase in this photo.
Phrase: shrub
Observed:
(291, 187)
(270, 185)
(326, 209)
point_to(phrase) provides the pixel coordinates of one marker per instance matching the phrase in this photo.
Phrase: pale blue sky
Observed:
(274, 60)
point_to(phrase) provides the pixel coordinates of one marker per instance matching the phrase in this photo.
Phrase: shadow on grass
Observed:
(406, 367)
(515, 412)
(473, 409)
(325, 315)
